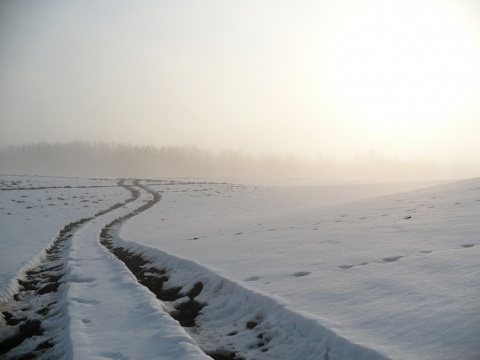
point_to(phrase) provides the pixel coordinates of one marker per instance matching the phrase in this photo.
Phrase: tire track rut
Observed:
(39, 323)
(227, 321)
(35, 318)
(184, 306)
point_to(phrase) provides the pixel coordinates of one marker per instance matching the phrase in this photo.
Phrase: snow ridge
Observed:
(34, 307)
(234, 320)
(111, 314)
(13, 287)
(93, 296)
(255, 323)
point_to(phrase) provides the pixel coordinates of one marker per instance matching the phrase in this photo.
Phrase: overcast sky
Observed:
(334, 78)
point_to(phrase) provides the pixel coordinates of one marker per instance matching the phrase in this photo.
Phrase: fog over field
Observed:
(239, 180)
(115, 160)
(360, 89)
(182, 269)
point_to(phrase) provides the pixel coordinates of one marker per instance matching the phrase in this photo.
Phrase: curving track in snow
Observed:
(78, 298)
(227, 320)
(35, 318)
(111, 314)
(81, 302)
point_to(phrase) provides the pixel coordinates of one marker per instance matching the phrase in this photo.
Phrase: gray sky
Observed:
(334, 78)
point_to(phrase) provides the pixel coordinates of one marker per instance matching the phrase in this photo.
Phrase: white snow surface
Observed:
(33, 210)
(111, 315)
(398, 273)
(337, 270)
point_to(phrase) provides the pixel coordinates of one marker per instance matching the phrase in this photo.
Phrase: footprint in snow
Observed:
(465, 246)
(346, 267)
(300, 273)
(252, 278)
(86, 321)
(391, 259)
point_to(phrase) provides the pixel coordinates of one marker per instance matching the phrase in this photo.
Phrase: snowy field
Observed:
(32, 211)
(188, 268)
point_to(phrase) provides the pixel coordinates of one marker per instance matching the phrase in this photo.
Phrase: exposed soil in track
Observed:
(39, 300)
(37, 315)
(185, 307)
(57, 187)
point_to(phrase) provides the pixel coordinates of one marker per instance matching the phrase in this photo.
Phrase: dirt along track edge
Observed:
(35, 316)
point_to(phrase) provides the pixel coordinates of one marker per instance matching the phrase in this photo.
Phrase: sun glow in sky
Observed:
(328, 78)
(404, 66)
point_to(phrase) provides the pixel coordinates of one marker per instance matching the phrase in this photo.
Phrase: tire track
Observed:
(57, 187)
(35, 318)
(184, 306)
(240, 323)
(227, 321)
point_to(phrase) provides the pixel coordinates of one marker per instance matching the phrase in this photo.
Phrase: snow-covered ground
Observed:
(111, 314)
(399, 273)
(283, 272)
(32, 211)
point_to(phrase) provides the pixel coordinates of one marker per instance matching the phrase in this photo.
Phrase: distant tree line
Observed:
(99, 159)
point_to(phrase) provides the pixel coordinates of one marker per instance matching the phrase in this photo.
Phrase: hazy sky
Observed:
(337, 78)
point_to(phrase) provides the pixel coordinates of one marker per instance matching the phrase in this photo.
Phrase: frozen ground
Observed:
(32, 211)
(264, 272)
(398, 273)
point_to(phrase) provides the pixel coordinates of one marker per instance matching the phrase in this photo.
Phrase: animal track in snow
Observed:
(346, 267)
(381, 261)
(391, 259)
(300, 273)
